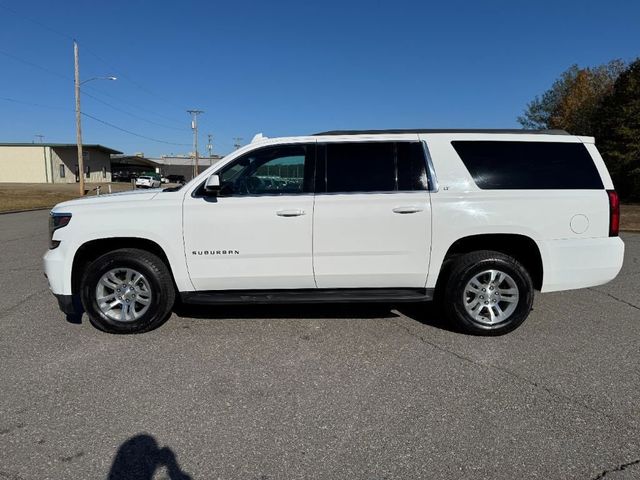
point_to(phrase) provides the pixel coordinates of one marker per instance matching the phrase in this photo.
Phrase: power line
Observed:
(137, 107)
(133, 133)
(39, 105)
(68, 37)
(31, 104)
(57, 74)
(86, 94)
(60, 75)
(35, 65)
(43, 25)
(138, 85)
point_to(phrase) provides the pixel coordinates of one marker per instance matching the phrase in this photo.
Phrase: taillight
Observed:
(614, 213)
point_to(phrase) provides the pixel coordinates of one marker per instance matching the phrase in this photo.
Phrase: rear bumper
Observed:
(581, 263)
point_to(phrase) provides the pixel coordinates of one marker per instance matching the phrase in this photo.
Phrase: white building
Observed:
(53, 163)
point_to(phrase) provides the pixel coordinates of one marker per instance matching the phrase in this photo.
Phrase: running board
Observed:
(317, 295)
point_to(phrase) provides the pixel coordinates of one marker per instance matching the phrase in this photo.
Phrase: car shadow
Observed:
(140, 457)
(325, 310)
(426, 313)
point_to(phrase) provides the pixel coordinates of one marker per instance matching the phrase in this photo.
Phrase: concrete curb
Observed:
(28, 210)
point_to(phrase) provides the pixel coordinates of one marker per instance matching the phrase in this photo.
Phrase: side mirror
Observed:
(212, 185)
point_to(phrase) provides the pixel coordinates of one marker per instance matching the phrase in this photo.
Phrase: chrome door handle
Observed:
(408, 209)
(290, 213)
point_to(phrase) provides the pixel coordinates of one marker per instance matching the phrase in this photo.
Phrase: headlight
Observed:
(56, 221)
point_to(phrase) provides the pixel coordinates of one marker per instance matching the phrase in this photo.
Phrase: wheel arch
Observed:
(92, 249)
(521, 247)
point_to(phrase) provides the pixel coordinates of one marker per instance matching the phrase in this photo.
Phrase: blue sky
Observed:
(289, 68)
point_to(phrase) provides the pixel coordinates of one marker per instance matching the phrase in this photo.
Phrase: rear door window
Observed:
(360, 167)
(373, 167)
(412, 167)
(528, 165)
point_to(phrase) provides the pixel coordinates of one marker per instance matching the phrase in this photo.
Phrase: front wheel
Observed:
(488, 293)
(127, 291)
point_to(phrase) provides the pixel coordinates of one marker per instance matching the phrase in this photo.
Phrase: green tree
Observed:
(618, 132)
(573, 100)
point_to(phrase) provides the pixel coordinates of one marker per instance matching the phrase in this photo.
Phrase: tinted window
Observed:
(268, 171)
(529, 165)
(374, 167)
(360, 167)
(412, 169)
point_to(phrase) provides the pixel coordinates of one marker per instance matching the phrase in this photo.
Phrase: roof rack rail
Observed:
(443, 130)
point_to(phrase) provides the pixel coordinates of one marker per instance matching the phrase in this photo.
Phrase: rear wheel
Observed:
(127, 291)
(488, 293)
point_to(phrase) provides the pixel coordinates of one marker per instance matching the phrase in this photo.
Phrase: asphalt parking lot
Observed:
(357, 392)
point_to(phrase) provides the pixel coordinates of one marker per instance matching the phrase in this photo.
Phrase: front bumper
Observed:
(69, 304)
(57, 270)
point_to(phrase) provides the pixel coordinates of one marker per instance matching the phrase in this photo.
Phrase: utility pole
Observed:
(194, 127)
(78, 123)
(210, 148)
(77, 82)
(39, 137)
(237, 142)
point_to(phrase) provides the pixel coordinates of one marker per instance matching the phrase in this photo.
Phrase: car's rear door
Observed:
(372, 218)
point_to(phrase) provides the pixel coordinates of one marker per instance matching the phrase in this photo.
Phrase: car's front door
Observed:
(257, 232)
(372, 215)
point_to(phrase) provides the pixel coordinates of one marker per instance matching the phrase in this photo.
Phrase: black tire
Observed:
(159, 281)
(465, 268)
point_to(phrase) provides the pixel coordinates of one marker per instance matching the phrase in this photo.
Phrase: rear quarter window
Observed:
(528, 165)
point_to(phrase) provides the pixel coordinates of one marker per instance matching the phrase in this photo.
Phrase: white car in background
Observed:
(147, 182)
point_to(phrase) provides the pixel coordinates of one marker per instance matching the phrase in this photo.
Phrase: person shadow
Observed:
(140, 457)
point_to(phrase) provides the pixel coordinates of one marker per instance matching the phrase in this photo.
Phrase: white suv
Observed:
(477, 218)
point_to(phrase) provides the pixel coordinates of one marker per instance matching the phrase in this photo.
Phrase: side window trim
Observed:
(432, 181)
(395, 164)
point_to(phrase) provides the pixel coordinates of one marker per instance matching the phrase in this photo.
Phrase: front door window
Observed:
(268, 171)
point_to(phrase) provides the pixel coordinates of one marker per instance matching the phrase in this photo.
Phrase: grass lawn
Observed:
(24, 196)
(630, 217)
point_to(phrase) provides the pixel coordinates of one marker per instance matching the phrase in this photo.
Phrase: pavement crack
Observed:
(618, 468)
(519, 378)
(10, 309)
(70, 458)
(616, 298)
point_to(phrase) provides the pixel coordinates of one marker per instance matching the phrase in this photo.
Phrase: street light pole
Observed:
(210, 149)
(77, 82)
(194, 127)
(78, 116)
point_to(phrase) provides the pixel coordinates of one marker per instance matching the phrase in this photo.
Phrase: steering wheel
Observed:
(249, 185)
